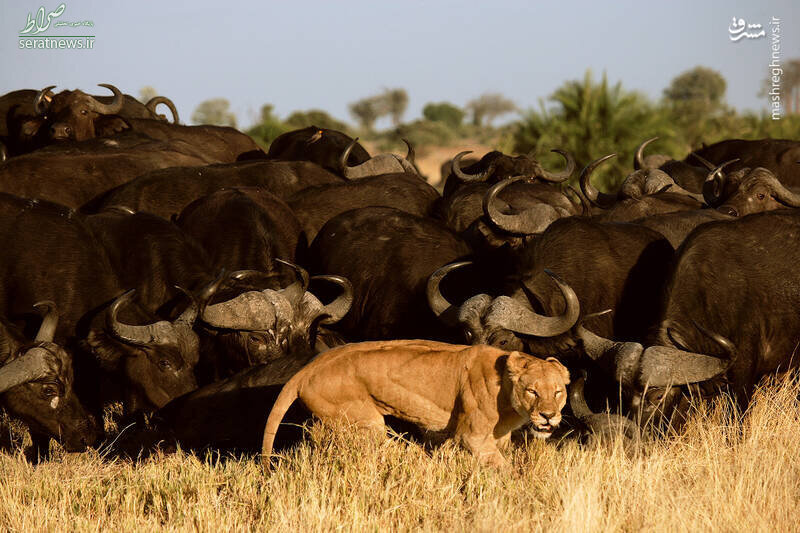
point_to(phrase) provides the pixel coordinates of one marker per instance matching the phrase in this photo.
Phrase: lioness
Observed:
(476, 394)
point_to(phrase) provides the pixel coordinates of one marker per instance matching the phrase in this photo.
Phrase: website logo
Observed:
(32, 35)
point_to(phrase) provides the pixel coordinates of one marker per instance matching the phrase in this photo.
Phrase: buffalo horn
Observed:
(39, 105)
(512, 315)
(108, 109)
(597, 198)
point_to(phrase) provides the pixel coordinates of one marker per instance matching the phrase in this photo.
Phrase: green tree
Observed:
(366, 111)
(394, 104)
(695, 100)
(590, 120)
(268, 128)
(488, 107)
(314, 117)
(444, 112)
(701, 87)
(147, 93)
(215, 112)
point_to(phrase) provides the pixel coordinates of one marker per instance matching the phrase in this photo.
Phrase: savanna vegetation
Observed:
(728, 471)
(588, 116)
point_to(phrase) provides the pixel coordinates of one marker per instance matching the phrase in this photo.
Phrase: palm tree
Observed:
(591, 120)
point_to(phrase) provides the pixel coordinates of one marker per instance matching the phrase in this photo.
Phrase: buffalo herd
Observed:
(185, 274)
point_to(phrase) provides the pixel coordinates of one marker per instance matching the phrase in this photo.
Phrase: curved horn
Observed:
(154, 102)
(577, 400)
(38, 106)
(190, 314)
(714, 184)
(597, 198)
(558, 177)
(603, 425)
(30, 366)
(343, 166)
(123, 209)
(49, 312)
(456, 167)
(531, 221)
(510, 314)
(706, 163)
(337, 309)
(139, 335)
(410, 155)
(664, 366)
(294, 292)
(436, 301)
(586, 209)
(781, 192)
(108, 109)
(638, 159)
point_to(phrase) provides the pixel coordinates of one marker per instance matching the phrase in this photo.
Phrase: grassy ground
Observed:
(727, 472)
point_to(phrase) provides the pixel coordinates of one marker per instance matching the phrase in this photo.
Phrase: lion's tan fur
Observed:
(477, 394)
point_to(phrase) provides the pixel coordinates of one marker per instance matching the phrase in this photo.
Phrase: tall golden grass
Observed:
(727, 471)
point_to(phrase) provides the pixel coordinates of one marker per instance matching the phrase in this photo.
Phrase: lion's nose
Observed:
(547, 415)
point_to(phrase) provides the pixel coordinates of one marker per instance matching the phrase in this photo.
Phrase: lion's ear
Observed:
(518, 362)
(561, 368)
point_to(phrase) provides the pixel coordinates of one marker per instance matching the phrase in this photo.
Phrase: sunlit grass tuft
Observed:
(727, 471)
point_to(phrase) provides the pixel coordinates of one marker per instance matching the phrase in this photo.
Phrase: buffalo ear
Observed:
(108, 125)
(103, 348)
(561, 368)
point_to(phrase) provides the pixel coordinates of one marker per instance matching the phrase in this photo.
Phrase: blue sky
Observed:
(326, 54)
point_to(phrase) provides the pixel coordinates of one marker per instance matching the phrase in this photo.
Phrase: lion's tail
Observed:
(287, 396)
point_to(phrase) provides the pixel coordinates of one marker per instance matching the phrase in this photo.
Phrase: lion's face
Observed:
(538, 390)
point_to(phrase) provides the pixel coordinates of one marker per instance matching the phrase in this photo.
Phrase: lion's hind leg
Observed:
(362, 414)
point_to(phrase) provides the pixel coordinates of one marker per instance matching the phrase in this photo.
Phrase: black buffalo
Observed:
(729, 317)
(404, 191)
(36, 385)
(168, 191)
(318, 145)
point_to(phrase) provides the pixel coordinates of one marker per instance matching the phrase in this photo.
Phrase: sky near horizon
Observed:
(326, 54)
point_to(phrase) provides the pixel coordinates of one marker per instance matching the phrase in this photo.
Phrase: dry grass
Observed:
(725, 473)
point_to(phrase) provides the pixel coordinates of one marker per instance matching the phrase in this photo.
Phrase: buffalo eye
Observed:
(84, 112)
(254, 339)
(761, 196)
(49, 391)
(165, 365)
(468, 335)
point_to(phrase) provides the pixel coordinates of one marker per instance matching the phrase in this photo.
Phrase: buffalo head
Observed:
(156, 360)
(379, 164)
(74, 115)
(36, 383)
(501, 321)
(660, 379)
(258, 326)
(747, 191)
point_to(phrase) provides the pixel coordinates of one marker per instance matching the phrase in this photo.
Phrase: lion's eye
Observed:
(558, 393)
(532, 392)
